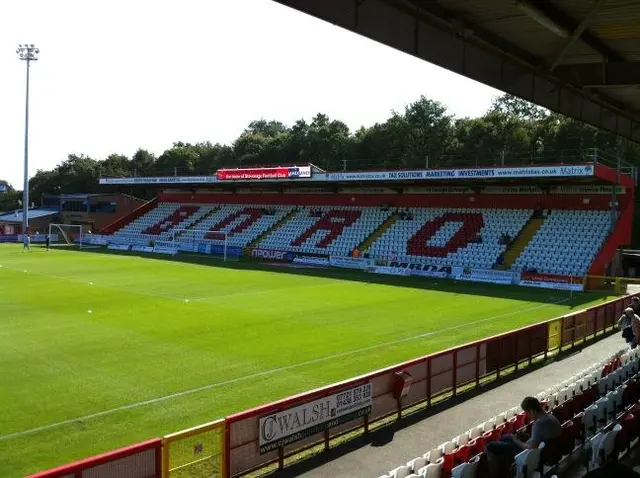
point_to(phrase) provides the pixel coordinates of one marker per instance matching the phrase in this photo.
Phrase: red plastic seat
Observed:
(462, 455)
(628, 432)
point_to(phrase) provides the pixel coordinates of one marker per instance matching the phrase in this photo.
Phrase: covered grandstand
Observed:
(545, 225)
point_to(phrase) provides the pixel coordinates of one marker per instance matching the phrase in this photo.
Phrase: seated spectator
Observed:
(545, 428)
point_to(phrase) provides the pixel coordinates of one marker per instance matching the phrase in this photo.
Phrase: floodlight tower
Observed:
(27, 52)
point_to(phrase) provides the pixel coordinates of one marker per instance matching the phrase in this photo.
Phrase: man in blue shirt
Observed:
(26, 243)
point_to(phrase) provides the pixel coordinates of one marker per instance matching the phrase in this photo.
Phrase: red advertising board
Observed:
(286, 172)
(551, 278)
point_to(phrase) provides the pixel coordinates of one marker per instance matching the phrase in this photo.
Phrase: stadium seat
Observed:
(560, 248)
(528, 462)
(453, 237)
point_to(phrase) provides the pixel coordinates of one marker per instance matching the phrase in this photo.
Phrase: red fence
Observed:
(434, 377)
(143, 460)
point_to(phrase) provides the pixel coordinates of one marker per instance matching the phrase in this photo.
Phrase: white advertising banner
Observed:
(172, 251)
(476, 173)
(350, 262)
(312, 261)
(426, 270)
(414, 175)
(162, 180)
(551, 285)
(288, 426)
(392, 271)
(485, 275)
(118, 247)
(142, 249)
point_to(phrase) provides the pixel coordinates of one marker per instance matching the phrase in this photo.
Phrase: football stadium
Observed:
(300, 320)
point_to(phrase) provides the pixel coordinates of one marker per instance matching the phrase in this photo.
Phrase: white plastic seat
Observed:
(432, 470)
(400, 472)
(435, 455)
(417, 463)
(527, 462)
(602, 446)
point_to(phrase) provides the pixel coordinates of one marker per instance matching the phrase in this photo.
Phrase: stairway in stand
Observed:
(194, 226)
(520, 242)
(384, 227)
(275, 226)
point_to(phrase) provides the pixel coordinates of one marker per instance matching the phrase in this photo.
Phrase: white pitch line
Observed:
(265, 373)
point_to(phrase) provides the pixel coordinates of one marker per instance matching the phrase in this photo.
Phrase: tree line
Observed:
(511, 132)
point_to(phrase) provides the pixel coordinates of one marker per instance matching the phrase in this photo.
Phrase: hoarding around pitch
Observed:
(288, 426)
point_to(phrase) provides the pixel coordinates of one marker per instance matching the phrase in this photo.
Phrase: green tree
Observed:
(8, 198)
(142, 163)
(180, 159)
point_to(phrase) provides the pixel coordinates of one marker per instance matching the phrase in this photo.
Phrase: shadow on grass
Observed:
(546, 296)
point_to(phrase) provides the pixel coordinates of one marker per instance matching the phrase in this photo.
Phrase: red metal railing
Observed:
(435, 377)
(143, 460)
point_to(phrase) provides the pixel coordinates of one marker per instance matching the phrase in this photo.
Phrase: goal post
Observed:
(213, 242)
(66, 235)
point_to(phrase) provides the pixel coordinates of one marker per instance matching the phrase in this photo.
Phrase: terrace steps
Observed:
(276, 225)
(194, 225)
(384, 227)
(520, 242)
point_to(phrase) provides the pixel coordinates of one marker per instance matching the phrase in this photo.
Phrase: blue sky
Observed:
(117, 75)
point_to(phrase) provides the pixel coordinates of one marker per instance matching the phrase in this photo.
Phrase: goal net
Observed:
(69, 235)
(203, 241)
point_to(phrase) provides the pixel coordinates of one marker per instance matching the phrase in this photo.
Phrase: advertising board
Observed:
(169, 250)
(187, 246)
(474, 173)
(142, 248)
(118, 247)
(95, 239)
(551, 281)
(484, 275)
(287, 172)
(271, 255)
(162, 180)
(551, 285)
(311, 261)
(350, 262)
(391, 271)
(426, 270)
(296, 423)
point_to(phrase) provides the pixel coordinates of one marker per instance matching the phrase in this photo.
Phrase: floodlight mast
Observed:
(28, 53)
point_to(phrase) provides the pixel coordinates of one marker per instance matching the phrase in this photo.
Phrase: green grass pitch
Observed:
(99, 350)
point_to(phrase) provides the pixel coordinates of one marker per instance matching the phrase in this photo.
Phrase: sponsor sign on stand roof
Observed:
(303, 174)
(476, 173)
